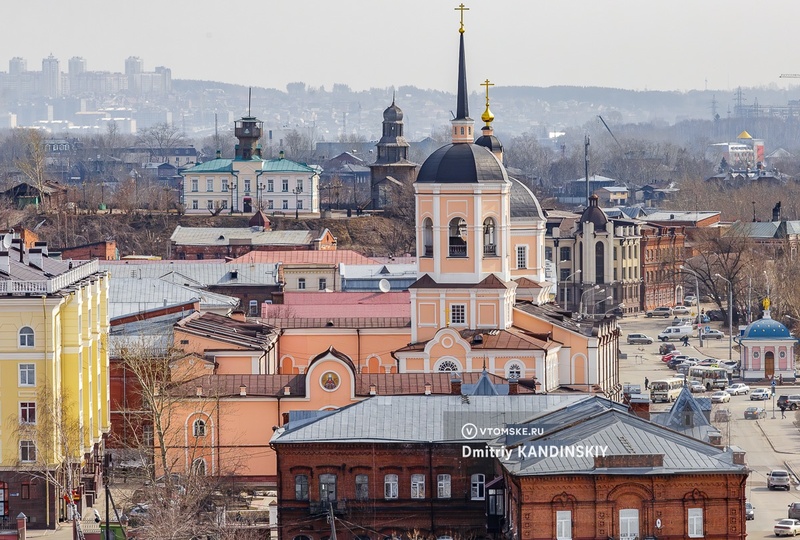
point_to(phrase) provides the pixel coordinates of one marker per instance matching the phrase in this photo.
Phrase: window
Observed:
(489, 240)
(448, 365)
(563, 524)
(417, 486)
(548, 253)
(253, 307)
(522, 257)
(300, 185)
(224, 204)
(199, 467)
(27, 412)
(194, 204)
(26, 490)
(26, 338)
(27, 451)
(299, 204)
(362, 487)
(327, 487)
(270, 185)
(210, 204)
(457, 237)
(628, 523)
(247, 186)
(427, 237)
(477, 486)
(565, 254)
(225, 184)
(443, 486)
(323, 284)
(695, 522)
(496, 502)
(285, 204)
(458, 314)
(27, 374)
(195, 184)
(209, 184)
(514, 371)
(270, 204)
(301, 283)
(390, 486)
(199, 428)
(285, 185)
(301, 487)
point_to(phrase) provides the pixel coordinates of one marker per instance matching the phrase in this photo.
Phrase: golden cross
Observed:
(462, 9)
(487, 84)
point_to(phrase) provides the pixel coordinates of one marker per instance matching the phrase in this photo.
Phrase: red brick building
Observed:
(662, 254)
(105, 251)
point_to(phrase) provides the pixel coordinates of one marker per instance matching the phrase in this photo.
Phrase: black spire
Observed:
(462, 101)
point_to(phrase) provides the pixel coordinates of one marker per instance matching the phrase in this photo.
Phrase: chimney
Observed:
(285, 418)
(219, 154)
(738, 456)
(36, 258)
(373, 390)
(42, 246)
(455, 386)
(427, 388)
(199, 391)
(16, 244)
(287, 391)
(280, 154)
(513, 387)
(640, 406)
(5, 263)
(242, 390)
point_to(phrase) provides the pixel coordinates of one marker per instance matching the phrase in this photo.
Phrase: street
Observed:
(769, 443)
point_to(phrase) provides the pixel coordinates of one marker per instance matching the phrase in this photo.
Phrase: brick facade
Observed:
(663, 253)
(105, 251)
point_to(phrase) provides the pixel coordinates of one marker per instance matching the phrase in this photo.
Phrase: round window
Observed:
(755, 354)
(783, 354)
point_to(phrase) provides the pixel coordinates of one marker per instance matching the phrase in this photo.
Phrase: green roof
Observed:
(286, 165)
(215, 165)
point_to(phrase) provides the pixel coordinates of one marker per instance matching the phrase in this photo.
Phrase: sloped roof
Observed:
(133, 295)
(199, 273)
(335, 256)
(287, 165)
(214, 165)
(339, 322)
(355, 304)
(224, 236)
(686, 407)
(489, 282)
(250, 334)
(513, 339)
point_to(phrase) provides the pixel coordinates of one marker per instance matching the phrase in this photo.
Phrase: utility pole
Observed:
(586, 167)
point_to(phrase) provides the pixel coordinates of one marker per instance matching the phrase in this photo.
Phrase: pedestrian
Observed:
(780, 379)
(783, 410)
(685, 341)
(646, 383)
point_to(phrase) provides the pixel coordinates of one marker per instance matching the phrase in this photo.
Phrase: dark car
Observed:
(715, 315)
(754, 413)
(666, 348)
(789, 402)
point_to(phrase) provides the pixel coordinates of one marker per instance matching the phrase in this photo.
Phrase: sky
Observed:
(631, 44)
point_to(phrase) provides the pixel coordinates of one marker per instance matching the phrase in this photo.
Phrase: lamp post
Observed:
(697, 296)
(595, 304)
(575, 273)
(297, 191)
(730, 315)
(593, 290)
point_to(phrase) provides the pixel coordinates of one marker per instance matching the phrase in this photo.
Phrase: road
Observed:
(769, 443)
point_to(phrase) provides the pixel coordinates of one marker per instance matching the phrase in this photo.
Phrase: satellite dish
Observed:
(7, 240)
(384, 285)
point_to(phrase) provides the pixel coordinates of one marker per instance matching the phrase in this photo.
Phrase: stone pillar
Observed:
(22, 526)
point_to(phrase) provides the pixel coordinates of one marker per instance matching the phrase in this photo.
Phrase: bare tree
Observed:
(159, 139)
(33, 163)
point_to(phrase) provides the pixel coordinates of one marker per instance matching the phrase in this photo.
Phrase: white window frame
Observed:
(443, 486)
(627, 518)
(522, 256)
(299, 204)
(563, 525)
(195, 204)
(459, 318)
(285, 185)
(362, 480)
(390, 487)
(224, 185)
(301, 284)
(323, 284)
(247, 185)
(301, 487)
(694, 522)
(199, 428)
(199, 467)
(270, 185)
(511, 365)
(209, 204)
(285, 204)
(417, 486)
(270, 204)
(209, 185)
(25, 450)
(477, 487)
(29, 337)
(299, 185)
(29, 371)
(195, 185)
(325, 482)
(27, 412)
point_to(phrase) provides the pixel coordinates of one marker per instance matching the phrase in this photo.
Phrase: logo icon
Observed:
(469, 430)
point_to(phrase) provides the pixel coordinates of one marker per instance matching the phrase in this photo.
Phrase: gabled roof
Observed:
(334, 256)
(286, 323)
(215, 165)
(687, 415)
(251, 335)
(512, 339)
(489, 282)
(287, 165)
(225, 236)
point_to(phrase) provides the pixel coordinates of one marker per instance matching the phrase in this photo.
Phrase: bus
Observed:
(710, 377)
(666, 390)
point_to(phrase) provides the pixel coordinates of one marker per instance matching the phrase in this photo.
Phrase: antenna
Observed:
(7, 242)
(384, 285)
(249, 100)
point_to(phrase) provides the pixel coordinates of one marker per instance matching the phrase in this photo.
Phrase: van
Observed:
(675, 332)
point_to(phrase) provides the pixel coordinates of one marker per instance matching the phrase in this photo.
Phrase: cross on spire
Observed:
(462, 9)
(487, 84)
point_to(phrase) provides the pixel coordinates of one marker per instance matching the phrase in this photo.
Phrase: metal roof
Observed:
(219, 236)
(215, 165)
(377, 271)
(193, 274)
(287, 165)
(132, 295)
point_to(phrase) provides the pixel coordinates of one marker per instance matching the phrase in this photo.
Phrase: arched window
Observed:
(489, 237)
(199, 428)
(457, 236)
(514, 371)
(26, 338)
(599, 262)
(448, 365)
(301, 487)
(427, 237)
(199, 467)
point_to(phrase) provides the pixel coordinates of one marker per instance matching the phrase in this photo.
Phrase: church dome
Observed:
(489, 142)
(594, 214)
(462, 163)
(766, 328)
(524, 204)
(393, 113)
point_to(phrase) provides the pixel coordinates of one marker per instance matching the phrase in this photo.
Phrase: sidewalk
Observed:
(783, 436)
(64, 531)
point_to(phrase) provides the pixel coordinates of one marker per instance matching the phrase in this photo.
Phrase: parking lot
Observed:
(770, 442)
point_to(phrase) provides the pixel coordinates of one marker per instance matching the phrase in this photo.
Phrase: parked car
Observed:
(715, 315)
(713, 334)
(675, 333)
(696, 387)
(760, 394)
(754, 413)
(676, 360)
(787, 527)
(720, 396)
(689, 300)
(661, 311)
(680, 310)
(666, 348)
(778, 478)
(709, 362)
(722, 415)
(738, 388)
(670, 355)
(639, 339)
(789, 402)
(794, 510)
(749, 511)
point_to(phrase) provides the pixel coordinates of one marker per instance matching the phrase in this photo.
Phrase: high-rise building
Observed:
(51, 77)
(77, 65)
(17, 65)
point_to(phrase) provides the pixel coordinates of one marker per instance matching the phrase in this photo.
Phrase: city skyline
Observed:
(624, 44)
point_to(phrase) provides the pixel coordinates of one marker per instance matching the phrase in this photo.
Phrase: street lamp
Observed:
(730, 315)
(697, 297)
(575, 273)
(297, 191)
(595, 304)
(593, 290)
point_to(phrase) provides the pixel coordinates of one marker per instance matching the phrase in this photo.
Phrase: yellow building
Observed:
(54, 391)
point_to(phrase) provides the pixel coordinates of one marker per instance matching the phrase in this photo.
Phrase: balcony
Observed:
(321, 507)
(489, 250)
(457, 249)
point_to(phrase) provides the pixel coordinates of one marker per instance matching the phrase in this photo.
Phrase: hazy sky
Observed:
(633, 44)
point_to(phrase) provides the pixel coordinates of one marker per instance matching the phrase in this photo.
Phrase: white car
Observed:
(760, 394)
(720, 396)
(738, 388)
(713, 334)
(787, 527)
(680, 310)
(690, 300)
